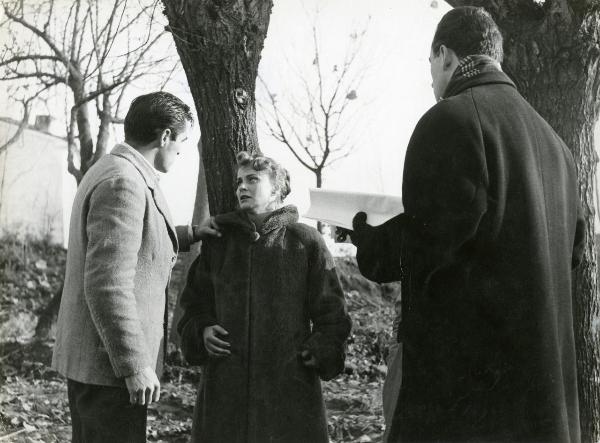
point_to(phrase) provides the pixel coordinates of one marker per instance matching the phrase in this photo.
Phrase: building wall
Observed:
(36, 191)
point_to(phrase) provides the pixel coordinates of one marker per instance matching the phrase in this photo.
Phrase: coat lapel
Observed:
(151, 179)
(163, 208)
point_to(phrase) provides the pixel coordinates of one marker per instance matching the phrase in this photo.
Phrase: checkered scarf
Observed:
(473, 65)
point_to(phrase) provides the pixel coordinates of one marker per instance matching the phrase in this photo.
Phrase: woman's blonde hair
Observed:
(280, 177)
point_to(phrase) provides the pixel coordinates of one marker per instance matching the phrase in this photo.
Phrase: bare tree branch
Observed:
(321, 108)
(22, 125)
(30, 57)
(45, 37)
(96, 51)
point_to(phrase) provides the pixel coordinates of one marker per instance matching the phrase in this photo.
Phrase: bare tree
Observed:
(552, 52)
(93, 48)
(315, 123)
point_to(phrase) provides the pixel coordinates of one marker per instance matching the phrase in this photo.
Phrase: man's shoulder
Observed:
(449, 116)
(112, 167)
(452, 109)
(110, 174)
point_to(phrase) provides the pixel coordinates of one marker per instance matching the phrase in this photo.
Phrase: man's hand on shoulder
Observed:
(143, 387)
(209, 228)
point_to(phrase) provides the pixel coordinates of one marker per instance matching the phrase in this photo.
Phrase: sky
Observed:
(395, 91)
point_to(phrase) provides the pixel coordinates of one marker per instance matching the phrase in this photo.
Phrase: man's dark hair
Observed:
(152, 113)
(469, 30)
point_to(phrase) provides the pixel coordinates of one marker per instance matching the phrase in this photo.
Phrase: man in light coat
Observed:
(122, 246)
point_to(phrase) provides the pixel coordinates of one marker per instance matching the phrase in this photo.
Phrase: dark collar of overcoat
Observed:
(485, 78)
(239, 221)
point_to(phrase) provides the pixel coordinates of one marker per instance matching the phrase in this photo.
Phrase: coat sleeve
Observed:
(114, 233)
(185, 237)
(330, 319)
(444, 185)
(198, 305)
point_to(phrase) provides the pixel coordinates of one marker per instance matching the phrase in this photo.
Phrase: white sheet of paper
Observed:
(338, 207)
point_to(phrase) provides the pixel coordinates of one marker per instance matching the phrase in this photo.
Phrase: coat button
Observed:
(173, 259)
(256, 236)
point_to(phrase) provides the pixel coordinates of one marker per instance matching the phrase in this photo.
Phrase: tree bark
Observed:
(201, 213)
(319, 177)
(86, 141)
(219, 43)
(106, 118)
(552, 53)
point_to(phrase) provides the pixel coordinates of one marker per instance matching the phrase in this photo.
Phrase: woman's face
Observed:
(255, 192)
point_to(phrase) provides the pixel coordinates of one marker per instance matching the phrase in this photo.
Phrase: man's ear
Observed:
(448, 56)
(165, 136)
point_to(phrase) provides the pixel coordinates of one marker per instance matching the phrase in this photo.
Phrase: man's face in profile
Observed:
(438, 77)
(168, 153)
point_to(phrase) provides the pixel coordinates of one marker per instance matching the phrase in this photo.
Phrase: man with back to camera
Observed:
(122, 246)
(491, 230)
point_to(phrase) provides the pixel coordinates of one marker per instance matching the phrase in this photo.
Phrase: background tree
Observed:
(92, 51)
(315, 124)
(219, 43)
(93, 48)
(552, 52)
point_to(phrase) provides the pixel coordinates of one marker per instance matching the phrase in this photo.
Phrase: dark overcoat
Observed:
(490, 233)
(277, 293)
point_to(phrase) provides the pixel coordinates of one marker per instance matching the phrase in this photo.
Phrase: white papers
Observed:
(338, 208)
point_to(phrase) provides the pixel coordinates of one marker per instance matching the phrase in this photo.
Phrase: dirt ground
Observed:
(33, 400)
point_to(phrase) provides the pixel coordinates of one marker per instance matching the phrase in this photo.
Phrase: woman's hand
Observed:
(309, 360)
(214, 345)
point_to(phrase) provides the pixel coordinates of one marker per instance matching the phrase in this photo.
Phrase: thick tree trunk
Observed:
(219, 44)
(553, 55)
(201, 213)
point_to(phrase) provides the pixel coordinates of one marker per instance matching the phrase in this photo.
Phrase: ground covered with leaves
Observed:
(33, 400)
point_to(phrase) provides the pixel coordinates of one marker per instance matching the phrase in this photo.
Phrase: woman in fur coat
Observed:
(264, 314)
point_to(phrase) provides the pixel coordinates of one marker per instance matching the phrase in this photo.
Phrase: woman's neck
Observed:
(258, 219)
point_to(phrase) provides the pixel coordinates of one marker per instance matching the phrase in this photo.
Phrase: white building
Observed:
(36, 190)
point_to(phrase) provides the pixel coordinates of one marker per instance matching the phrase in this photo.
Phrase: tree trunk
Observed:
(201, 213)
(319, 177)
(552, 54)
(106, 118)
(82, 115)
(48, 315)
(219, 44)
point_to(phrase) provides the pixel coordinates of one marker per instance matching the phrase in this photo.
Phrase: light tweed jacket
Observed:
(122, 247)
